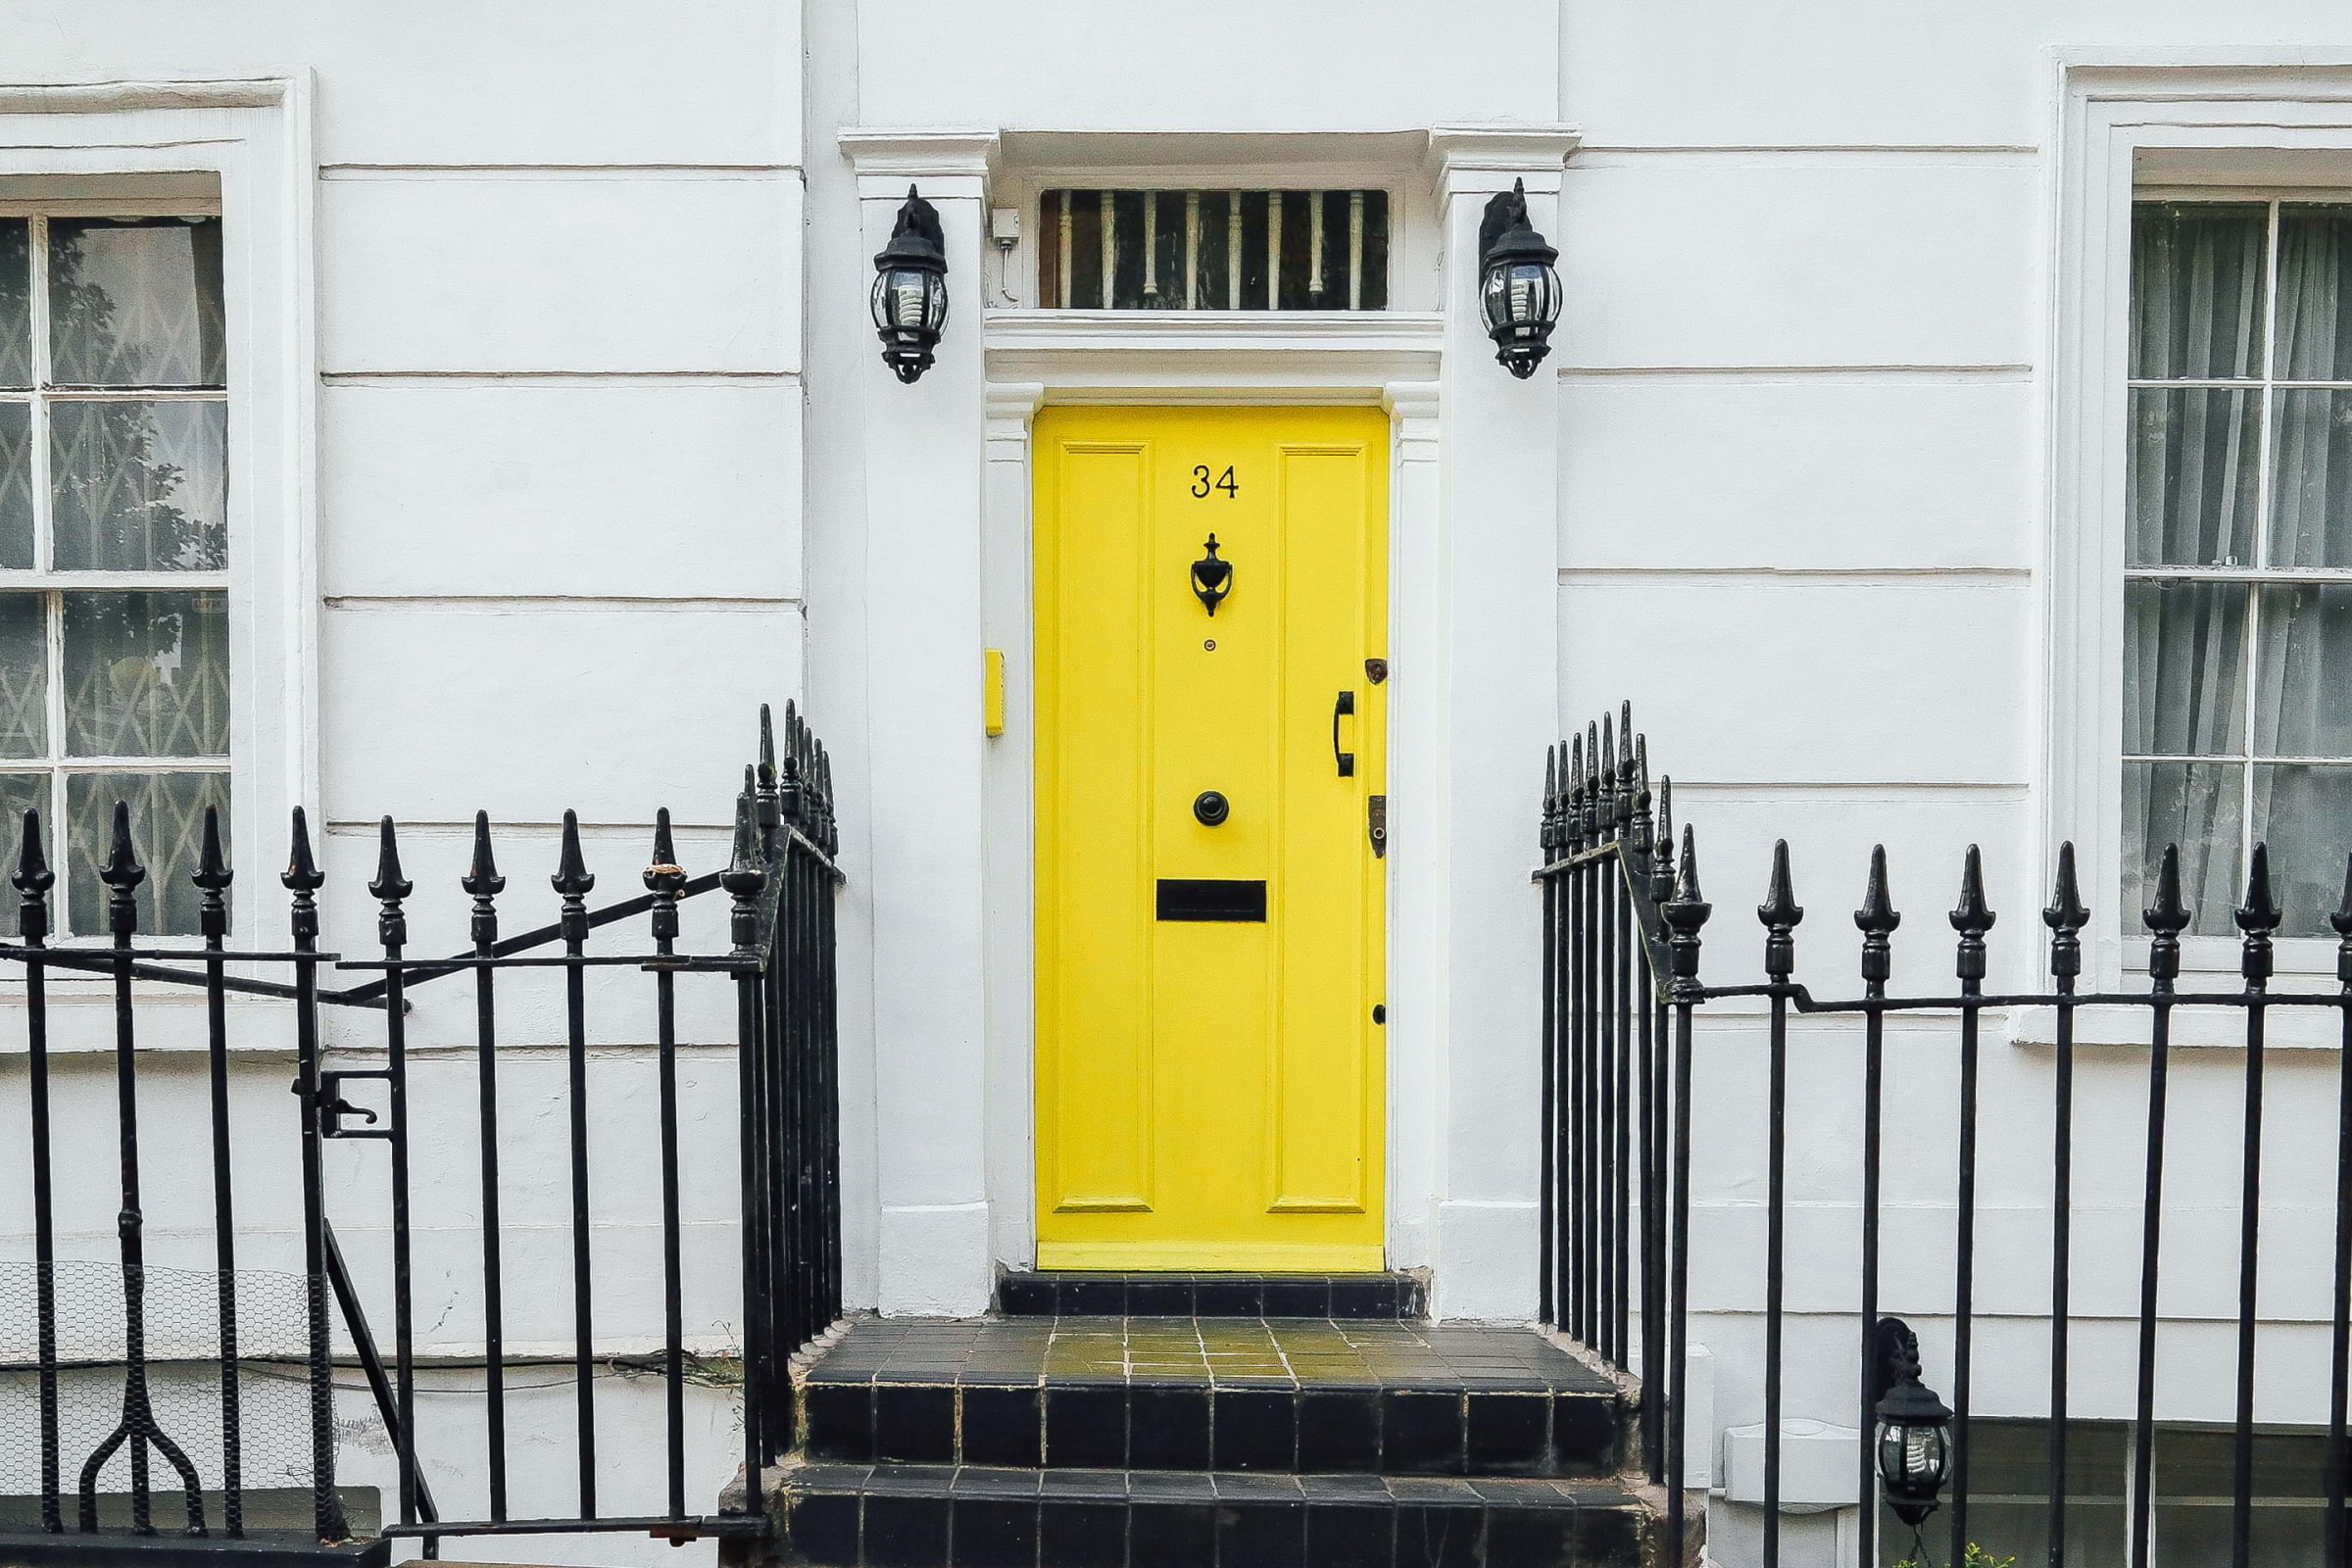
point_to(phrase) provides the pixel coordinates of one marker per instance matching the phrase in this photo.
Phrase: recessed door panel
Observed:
(1209, 905)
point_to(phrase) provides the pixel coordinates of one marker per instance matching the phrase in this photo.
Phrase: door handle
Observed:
(1344, 761)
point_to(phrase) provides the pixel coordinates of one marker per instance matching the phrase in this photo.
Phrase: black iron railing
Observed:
(1623, 918)
(780, 880)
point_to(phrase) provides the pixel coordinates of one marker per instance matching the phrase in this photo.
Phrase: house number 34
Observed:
(1203, 484)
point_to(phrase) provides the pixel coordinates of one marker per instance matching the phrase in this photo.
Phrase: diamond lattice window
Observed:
(113, 546)
(1213, 250)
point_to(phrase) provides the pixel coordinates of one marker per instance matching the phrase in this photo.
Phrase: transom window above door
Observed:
(1213, 250)
(113, 547)
(2237, 553)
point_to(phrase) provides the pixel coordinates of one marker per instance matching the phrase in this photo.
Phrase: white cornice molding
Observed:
(920, 152)
(1412, 402)
(1472, 158)
(116, 97)
(1187, 356)
(1257, 331)
(1009, 407)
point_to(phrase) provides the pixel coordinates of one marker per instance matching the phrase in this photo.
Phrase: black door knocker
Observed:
(1213, 579)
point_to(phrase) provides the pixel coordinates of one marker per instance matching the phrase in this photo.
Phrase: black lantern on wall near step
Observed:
(1914, 1427)
(910, 289)
(1518, 290)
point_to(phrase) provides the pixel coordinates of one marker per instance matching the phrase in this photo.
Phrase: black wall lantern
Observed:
(1914, 1436)
(910, 289)
(1518, 289)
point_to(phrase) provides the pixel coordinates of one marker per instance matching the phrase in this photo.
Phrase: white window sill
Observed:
(80, 1014)
(2297, 1028)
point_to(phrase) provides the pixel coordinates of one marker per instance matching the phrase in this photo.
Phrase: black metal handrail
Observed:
(780, 879)
(1623, 922)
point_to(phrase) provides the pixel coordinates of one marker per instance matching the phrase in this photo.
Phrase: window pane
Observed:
(2200, 807)
(16, 486)
(146, 674)
(2202, 1463)
(20, 792)
(2193, 487)
(16, 299)
(2196, 289)
(2200, 1537)
(2315, 272)
(2311, 491)
(2303, 671)
(135, 302)
(167, 829)
(2302, 814)
(2013, 1457)
(140, 486)
(24, 676)
(2184, 658)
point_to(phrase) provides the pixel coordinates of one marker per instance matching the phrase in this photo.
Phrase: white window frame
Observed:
(2133, 126)
(146, 146)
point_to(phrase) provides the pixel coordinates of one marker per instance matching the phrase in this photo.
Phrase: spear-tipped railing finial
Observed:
(1661, 860)
(1780, 912)
(303, 878)
(1877, 920)
(212, 877)
(2066, 917)
(572, 882)
(1685, 912)
(1972, 917)
(2165, 918)
(481, 879)
(2257, 918)
(663, 878)
(122, 873)
(1572, 802)
(1640, 831)
(745, 875)
(33, 879)
(391, 885)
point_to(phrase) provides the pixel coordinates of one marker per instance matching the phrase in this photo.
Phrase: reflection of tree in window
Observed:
(138, 482)
(113, 370)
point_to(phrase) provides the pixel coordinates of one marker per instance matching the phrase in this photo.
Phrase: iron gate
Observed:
(187, 1361)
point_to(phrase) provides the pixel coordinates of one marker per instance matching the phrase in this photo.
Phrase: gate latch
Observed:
(333, 1107)
(1376, 822)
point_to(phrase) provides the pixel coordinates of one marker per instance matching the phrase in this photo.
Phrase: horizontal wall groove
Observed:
(1972, 788)
(557, 377)
(1955, 151)
(1840, 576)
(1851, 372)
(431, 827)
(553, 172)
(593, 603)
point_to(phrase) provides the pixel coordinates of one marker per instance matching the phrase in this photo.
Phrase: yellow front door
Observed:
(1209, 911)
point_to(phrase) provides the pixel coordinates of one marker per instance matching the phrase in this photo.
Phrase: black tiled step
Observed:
(1270, 1396)
(925, 1516)
(1086, 1294)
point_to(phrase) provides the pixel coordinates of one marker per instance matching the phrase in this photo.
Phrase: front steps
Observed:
(1048, 1439)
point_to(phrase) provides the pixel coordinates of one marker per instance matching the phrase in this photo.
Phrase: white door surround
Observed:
(1472, 644)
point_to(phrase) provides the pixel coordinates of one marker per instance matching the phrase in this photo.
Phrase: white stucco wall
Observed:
(590, 343)
(556, 551)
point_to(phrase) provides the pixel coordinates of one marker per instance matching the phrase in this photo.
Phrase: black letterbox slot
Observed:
(1195, 897)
